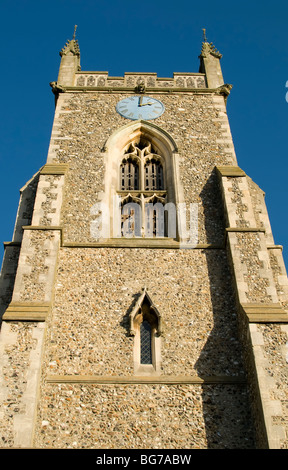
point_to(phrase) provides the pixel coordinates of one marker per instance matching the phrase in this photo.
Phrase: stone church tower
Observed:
(144, 300)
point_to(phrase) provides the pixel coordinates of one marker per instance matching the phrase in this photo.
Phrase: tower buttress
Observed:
(210, 64)
(70, 62)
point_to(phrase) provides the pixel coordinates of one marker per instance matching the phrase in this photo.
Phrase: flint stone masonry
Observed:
(270, 353)
(89, 334)
(36, 268)
(109, 416)
(49, 199)
(89, 120)
(94, 296)
(68, 357)
(20, 360)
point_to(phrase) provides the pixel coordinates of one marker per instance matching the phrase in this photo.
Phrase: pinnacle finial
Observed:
(74, 35)
(71, 46)
(208, 48)
(204, 35)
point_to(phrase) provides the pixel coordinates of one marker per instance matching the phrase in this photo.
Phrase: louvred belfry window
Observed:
(142, 183)
(153, 175)
(129, 175)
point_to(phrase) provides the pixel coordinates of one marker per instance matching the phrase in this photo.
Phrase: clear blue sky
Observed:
(160, 36)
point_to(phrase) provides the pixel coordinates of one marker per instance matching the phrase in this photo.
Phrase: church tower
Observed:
(143, 299)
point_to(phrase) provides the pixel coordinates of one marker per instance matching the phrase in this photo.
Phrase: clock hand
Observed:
(146, 104)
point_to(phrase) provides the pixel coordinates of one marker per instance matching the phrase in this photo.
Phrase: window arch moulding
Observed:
(164, 163)
(158, 318)
(131, 130)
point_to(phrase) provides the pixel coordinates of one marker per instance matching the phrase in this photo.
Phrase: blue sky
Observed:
(160, 36)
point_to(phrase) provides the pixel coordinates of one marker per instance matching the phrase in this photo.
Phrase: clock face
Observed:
(140, 107)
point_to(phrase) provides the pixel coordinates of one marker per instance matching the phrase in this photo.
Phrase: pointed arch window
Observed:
(145, 343)
(145, 326)
(142, 182)
(129, 175)
(154, 175)
(131, 220)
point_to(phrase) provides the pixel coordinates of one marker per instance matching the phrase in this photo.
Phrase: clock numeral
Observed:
(130, 115)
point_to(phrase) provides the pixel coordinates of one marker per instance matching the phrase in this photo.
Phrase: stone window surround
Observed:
(114, 151)
(136, 318)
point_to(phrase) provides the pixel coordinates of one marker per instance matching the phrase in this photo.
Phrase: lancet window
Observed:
(146, 327)
(142, 190)
(129, 174)
(145, 343)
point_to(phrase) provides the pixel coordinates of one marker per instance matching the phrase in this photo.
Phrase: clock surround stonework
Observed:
(73, 303)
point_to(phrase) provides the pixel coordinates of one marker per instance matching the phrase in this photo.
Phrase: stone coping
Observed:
(232, 171)
(264, 313)
(27, 311)
(54, 169)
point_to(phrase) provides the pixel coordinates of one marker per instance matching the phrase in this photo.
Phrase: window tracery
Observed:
(142, 185)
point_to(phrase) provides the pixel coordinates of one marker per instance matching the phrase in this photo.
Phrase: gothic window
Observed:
(155, 218)
(131, 220)
(153, 175)
(129, 175)
(145, 343)
(145, 326)
(142, 185)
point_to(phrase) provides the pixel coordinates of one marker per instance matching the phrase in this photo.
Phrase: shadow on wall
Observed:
(12, 251)
(226, 407)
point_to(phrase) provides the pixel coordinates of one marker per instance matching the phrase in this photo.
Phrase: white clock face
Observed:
(140, 107)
